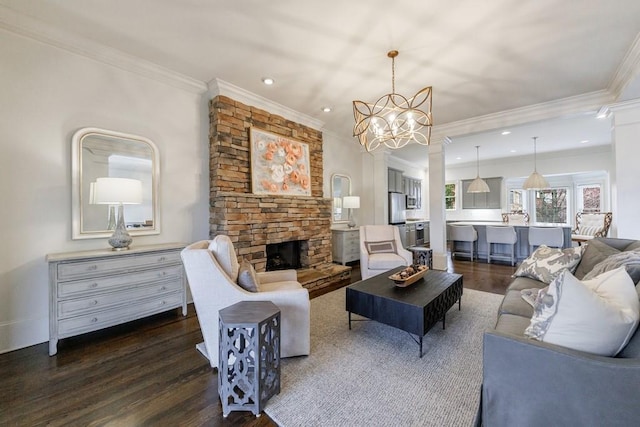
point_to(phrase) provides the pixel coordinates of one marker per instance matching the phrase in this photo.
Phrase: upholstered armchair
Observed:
(381, 250)
(212, 272)
(590, 225)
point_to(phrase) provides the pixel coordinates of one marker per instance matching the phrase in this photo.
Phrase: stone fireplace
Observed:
(255, 221)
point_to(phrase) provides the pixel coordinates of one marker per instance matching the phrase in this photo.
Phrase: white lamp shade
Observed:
(478, 185)
(535, 182)
(351, 202)
(111, 191)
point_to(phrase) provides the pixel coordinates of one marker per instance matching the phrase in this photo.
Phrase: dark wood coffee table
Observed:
(414, 309)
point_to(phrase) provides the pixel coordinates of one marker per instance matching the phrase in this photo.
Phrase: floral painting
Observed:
(279, 165)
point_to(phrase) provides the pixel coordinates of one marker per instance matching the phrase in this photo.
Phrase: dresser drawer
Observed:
(109, 283)
(73, 270)
(103, 319)
(353, 252)
(77, 306)
(352, 237)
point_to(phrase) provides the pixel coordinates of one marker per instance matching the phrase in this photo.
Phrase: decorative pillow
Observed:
(594, 252)
(545, 263)
(385, 246)
(530, 295)
(597, 316)
(630, 260)
(247, 277)
(222, 248)
(589, 230)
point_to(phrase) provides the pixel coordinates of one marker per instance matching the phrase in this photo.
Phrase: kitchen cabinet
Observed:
(92, 290)
(345, 245)
(411, 234)
(413, 187)
(402, 229)
(395, 180)
(490, 200)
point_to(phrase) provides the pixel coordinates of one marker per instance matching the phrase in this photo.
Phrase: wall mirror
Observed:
(100, 153)
(340, 187)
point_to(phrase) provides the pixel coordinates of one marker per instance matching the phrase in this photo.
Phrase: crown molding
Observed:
(220, 87)
(37, 30)
(531, 113)
(628, 69)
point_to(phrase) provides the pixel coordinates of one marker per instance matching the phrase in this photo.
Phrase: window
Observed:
(516, 201)
(450, 196)
(589, 198)
(551, 205)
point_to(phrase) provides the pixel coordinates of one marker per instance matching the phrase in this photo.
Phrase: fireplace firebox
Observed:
(284, 256)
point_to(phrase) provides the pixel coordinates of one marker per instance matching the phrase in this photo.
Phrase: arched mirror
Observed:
(99, 153)
(340, 187)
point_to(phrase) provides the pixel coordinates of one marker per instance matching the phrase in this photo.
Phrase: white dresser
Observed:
(92, 290)
(346, 244)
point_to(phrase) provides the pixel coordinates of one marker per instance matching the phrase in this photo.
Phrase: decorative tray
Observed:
(409, 275)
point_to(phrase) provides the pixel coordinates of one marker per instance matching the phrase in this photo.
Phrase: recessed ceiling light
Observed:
(458, 158)
(506, 132)
(584, 141)
(514, 151)
(326, 109)
(268, 81)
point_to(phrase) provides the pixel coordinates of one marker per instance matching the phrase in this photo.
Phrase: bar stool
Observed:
(505, 235)
(550, 236)
(463, 233)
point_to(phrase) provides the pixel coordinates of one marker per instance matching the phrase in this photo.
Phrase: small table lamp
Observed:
(118, 191)
(351, 203)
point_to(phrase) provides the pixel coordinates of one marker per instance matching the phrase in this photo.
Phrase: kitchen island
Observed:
(522, 233)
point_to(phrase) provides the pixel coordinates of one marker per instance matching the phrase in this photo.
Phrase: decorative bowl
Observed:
(402, 280)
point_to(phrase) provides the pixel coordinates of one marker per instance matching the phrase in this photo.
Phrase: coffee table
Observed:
(414, 309)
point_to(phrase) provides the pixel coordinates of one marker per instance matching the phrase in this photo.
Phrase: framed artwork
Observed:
(279, 165)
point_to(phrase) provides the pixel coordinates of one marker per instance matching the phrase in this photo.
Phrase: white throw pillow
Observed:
(597, 316)
(545, 263)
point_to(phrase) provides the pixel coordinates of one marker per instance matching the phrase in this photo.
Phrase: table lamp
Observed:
(120, 192)
(351, 203)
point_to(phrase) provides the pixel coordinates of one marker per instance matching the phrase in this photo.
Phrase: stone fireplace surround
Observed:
(253, 221)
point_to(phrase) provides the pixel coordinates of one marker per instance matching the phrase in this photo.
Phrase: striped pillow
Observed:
(589, 230)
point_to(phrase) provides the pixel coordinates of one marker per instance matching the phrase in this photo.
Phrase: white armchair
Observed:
(212, 272)
(381, 250)
(590, 225)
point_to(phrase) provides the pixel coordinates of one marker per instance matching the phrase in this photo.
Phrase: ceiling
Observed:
(492, 59)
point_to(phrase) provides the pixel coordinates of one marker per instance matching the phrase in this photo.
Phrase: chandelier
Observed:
(393, 121)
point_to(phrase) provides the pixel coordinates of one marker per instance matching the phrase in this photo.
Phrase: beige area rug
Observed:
(372, 375)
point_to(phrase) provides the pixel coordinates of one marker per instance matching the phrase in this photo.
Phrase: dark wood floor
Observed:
(143, 373)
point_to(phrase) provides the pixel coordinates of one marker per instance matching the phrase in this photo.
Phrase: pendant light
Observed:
(535, 180)
(478, 185)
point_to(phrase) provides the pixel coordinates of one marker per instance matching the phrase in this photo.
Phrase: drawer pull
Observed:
(162, 259)
(93, 285)
(94, 302)
(94, 320)
(163, 302)
(92, 268)
(164, 288)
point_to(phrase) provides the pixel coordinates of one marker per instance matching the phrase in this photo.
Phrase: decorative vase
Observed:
(121, 239)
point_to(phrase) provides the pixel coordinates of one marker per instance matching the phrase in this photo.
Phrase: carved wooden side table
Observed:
(249, 363)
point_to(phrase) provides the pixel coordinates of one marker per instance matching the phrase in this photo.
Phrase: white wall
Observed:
(46, 94)
(626, 206)
(343, 157)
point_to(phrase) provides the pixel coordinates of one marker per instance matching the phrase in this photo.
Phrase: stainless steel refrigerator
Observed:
(397, 208)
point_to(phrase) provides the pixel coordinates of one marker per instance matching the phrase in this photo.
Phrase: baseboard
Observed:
(23, 333)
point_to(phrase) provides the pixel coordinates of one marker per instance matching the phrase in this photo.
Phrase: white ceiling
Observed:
(483, 58)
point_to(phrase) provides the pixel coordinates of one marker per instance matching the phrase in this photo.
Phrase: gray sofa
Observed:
(531, 383)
